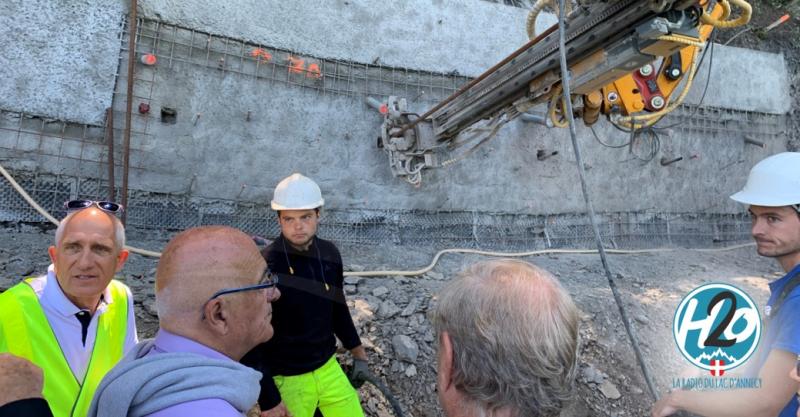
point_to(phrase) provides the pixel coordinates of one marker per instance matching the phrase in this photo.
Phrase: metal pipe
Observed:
(751, 141)
(542, 154)
(374, 103)
(480, 78)
(536, 118)
(126, 145)
(110, 141)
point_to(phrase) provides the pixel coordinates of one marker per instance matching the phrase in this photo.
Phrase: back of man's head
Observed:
(513, 331)
(198, 262)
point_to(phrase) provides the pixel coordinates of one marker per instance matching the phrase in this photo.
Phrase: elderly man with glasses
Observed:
(75, 322)
(214, 295)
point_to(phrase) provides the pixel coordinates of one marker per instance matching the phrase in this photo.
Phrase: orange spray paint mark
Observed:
(296, 65)
(313, 71)
(149, 59)
(261, 54)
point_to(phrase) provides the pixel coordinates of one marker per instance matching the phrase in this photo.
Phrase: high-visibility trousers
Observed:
(326, 387)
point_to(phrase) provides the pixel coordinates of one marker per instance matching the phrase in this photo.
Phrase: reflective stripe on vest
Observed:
(24, 331)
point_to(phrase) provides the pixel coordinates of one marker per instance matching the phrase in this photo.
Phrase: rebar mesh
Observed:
(173, 44)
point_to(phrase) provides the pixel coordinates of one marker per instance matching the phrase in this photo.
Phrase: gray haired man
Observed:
(508, 339)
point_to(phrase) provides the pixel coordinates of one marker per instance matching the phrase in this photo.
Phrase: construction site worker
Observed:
(21, 388)
(309, 317)
(772, 193)
(213, 295)
(489, 365)
(75, 322)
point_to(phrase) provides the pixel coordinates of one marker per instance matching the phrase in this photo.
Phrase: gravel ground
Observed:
(391, 312)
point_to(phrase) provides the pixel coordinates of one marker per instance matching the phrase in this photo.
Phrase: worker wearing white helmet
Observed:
(309, 316)
(772, 193)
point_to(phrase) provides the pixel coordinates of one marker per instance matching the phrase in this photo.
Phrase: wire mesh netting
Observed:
(480, 230)
(67, 160)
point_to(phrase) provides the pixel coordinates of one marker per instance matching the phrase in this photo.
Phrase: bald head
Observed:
(198, 262)
(99, 215)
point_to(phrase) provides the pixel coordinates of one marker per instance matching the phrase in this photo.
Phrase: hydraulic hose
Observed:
(724, 23)
(530, 21)
(565, 81)
(377, 383)
(421, 271)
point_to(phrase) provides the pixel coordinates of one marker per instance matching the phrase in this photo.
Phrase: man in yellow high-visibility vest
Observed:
(75, 322)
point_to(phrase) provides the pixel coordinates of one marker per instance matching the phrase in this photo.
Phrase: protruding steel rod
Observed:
(750, 140)
(126, 145)
(667, 161)
(110, 141)
(536, 118)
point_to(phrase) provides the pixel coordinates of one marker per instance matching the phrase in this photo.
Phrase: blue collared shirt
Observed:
(783, 329)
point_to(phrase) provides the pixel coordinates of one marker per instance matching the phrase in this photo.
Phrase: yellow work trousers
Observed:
(326, 387)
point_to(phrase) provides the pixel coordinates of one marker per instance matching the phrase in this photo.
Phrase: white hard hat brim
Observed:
(277, 207)
(758, 199)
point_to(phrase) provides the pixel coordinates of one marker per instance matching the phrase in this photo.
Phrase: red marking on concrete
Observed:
(261, 54)
(296, 65)
(149, 59)
(313, 71)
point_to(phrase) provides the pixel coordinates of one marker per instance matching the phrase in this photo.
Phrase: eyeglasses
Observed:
(270, 281)
(107, 206)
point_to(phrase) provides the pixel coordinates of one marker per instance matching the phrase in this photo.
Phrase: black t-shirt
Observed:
(307, 318)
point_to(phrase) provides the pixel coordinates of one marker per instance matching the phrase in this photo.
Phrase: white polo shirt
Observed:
(61, 314)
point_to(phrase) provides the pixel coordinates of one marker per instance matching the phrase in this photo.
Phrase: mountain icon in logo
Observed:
(716, 355)
(717, 327)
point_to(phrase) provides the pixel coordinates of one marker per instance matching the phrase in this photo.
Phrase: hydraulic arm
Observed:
(626, 59)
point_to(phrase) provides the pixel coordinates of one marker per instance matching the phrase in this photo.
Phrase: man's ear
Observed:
(216, 316)
(445, 374)
(52, 252)
(121, 258)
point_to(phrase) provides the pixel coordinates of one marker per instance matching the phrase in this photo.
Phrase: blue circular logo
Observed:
(717, 327)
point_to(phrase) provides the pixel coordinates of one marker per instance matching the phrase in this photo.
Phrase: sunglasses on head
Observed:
(108, 206)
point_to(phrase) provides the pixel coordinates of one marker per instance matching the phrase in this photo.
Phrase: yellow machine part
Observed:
(624, 92)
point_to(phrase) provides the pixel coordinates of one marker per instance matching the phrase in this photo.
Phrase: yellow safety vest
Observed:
(25, 332)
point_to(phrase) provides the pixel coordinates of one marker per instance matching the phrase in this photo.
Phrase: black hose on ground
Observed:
(377, 383)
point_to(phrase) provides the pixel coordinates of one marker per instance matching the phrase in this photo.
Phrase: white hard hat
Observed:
(773, 182)
(297, 192)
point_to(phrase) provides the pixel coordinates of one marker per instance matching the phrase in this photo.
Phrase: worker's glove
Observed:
(358, 374)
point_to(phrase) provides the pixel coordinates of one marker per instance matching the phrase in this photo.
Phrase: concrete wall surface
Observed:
(467, 36)
(743, 79)
(59, 58)
(213, 150)
(436, 35)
